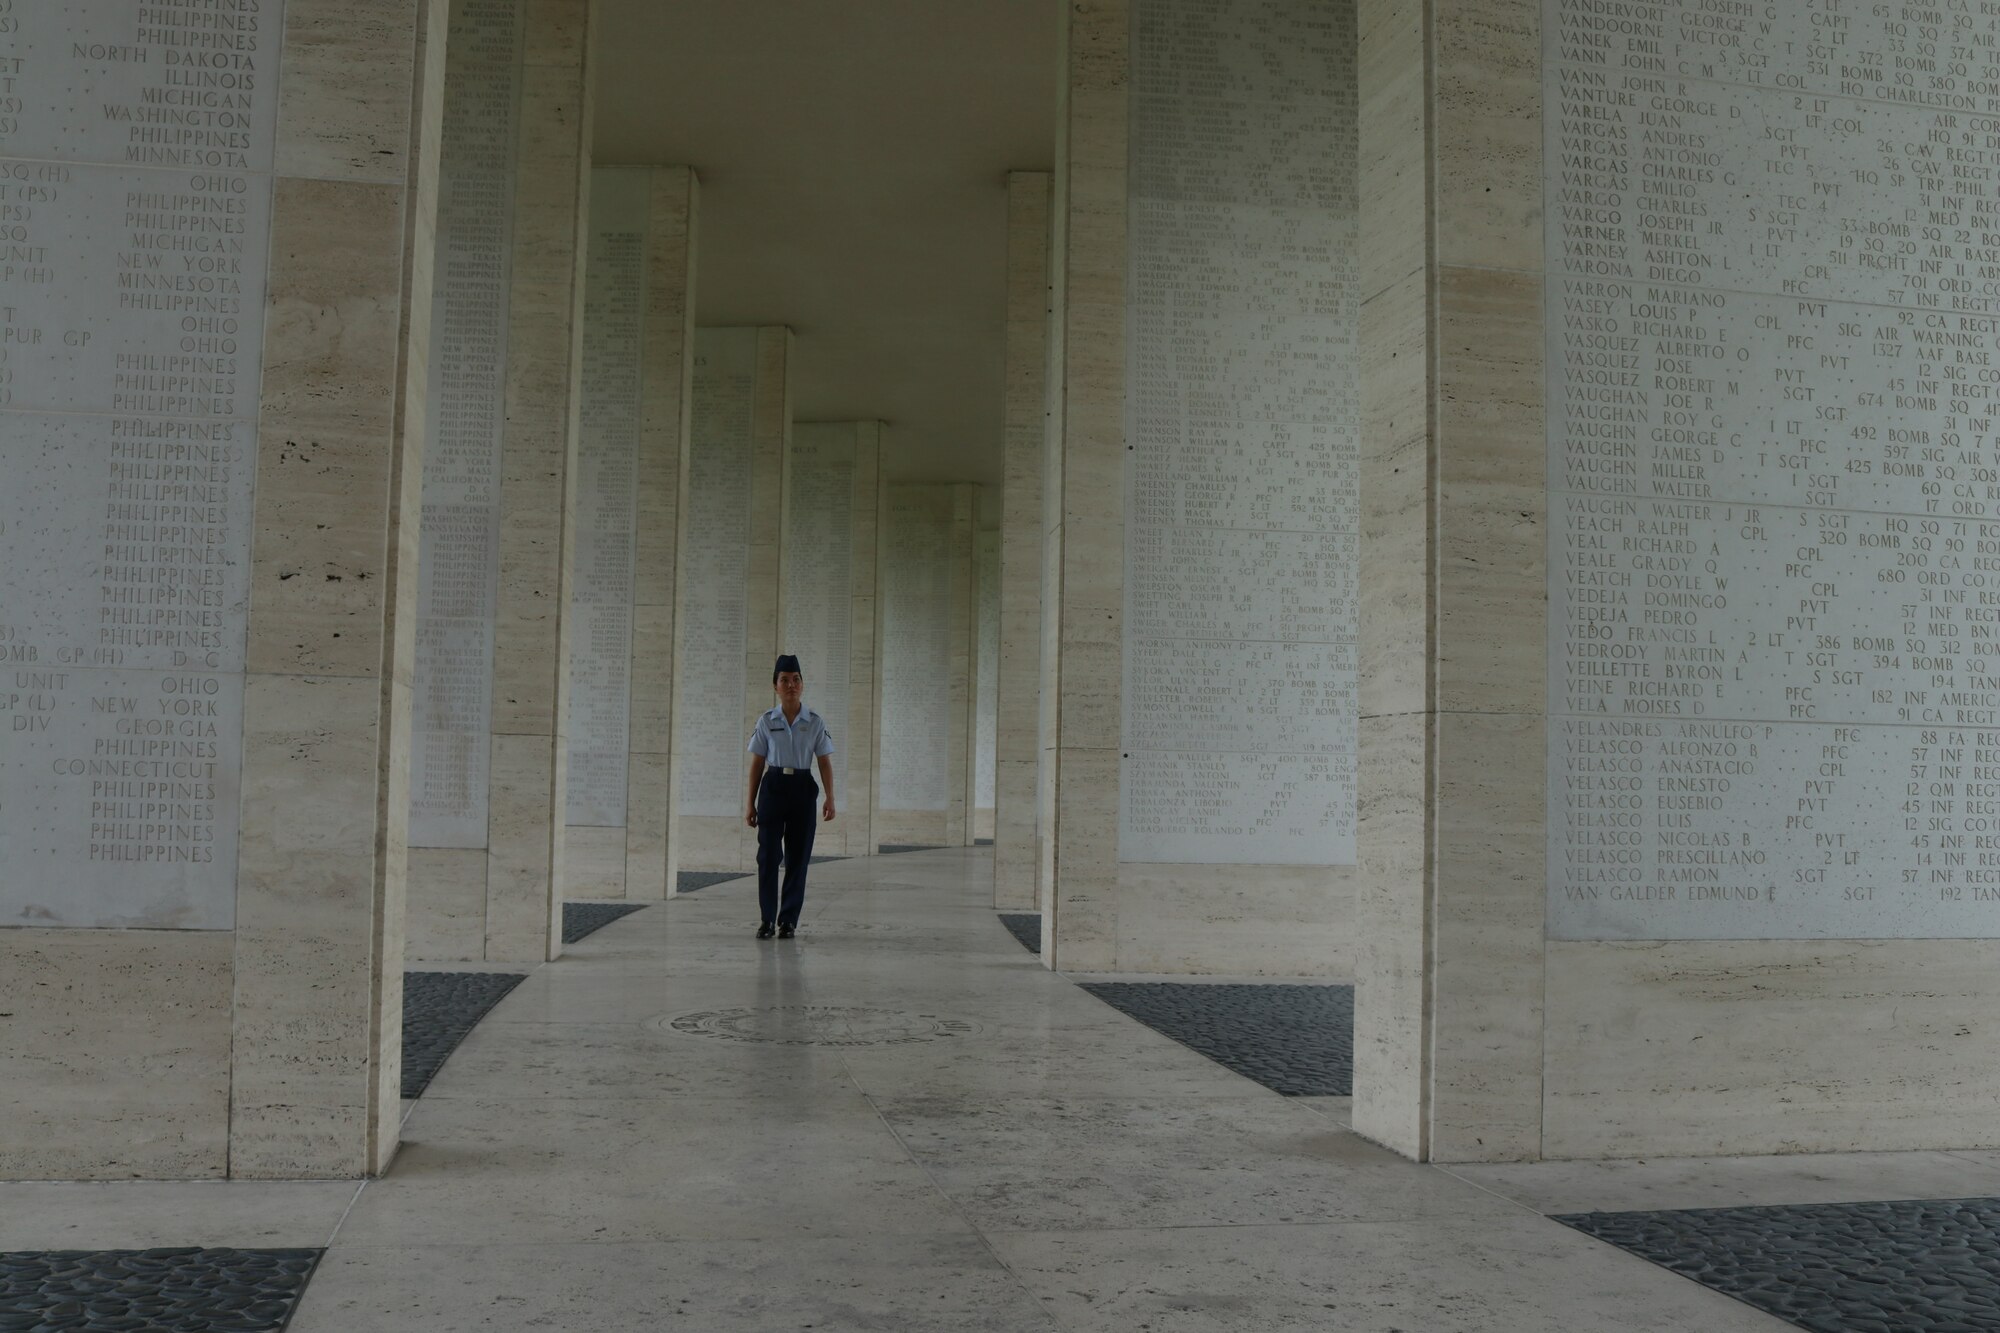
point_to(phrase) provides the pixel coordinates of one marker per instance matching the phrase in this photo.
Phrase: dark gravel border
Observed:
(584, 919)
(1293, 1039)
(152, 1291)
(694, 881)
(1912, 1266)
(1025, 927)
(439, 1009)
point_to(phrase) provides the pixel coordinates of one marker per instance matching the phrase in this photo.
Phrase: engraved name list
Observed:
(135, 201)
(1774, 549)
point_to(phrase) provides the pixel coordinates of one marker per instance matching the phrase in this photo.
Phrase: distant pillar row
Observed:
(489, 768)
(638, 359)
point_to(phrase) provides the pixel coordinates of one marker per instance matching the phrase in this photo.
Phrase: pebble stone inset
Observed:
(581, 919)
(892, 848)
(439, 1008)
(1297, 1040)
(151, 1291)
(1025, 927)
(1917, 1266)
(693, 881)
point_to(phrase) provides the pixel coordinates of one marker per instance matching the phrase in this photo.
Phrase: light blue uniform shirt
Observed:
(791, 744)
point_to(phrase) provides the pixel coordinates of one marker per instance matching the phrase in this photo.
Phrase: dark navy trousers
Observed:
(787, 819)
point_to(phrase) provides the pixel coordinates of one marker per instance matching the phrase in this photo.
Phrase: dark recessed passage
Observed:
(581, 919)
(1025, 927)
(439, 1008)
(151, 1291)
(1298, 1040)
(1917, 1266)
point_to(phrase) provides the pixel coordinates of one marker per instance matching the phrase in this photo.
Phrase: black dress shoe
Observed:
(766, 930)
(785, 931)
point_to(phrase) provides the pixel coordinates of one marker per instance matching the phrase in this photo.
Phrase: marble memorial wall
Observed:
(916, 723)
(1773, 307)
(986, 664)
(607, 493)
(458, 562)
(819, 574)
(714, 628)
(1240, 723)
(135, 212)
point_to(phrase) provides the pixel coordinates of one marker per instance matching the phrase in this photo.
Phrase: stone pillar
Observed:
(1017, 704)
(604, 514)
(196, 995)
(1563, 576)
(627, 475)
(986, 683)
(1204, 720)
(667, 388)
(490, 768)
(962, 676)
(925, 782)
(1399, 621)
(831, 488)
(727, 578)
(1048, 663)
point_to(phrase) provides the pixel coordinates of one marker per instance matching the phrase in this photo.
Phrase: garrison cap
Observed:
(786, 662)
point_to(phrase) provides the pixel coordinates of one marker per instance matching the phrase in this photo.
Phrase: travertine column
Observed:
(667, 390)
(927, 581)
(242, 1016)
(1399, 625)
(1714, 927)
(530, 647)
(1202, 738)
(962, 676)
(604, 515)
(629, 452)
(490, 794)
(985, 682)
(1084, 595)
(729, 604)
(1048, 662)
(1019, 667)
(831, 490)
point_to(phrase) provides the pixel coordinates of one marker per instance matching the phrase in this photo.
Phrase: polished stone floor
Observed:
(900, 1121)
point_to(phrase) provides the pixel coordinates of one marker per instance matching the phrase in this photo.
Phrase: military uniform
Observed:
(787, 807)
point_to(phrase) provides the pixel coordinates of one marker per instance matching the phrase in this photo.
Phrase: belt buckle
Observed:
(790, 772)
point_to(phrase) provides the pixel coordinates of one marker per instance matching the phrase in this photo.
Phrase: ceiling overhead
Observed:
(853, 158)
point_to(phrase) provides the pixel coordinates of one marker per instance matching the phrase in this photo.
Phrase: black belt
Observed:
(788, 772)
